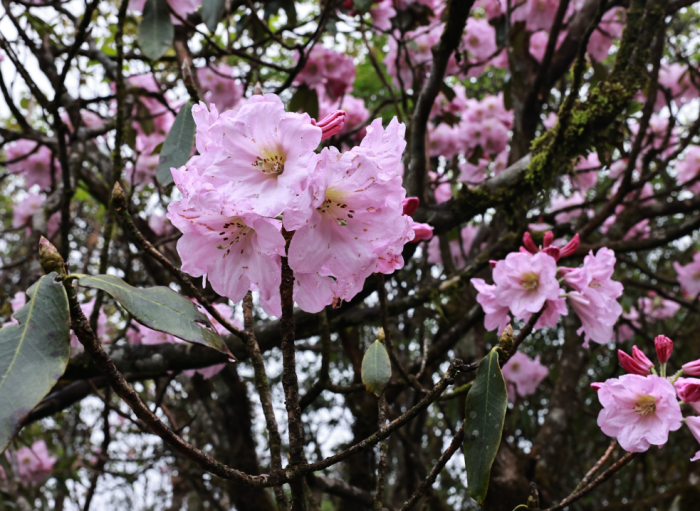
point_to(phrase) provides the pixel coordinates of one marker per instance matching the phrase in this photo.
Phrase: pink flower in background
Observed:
(550, 317)
(693, 424)
(457, 247)
(525, 282)
(162, 117)
(610, 27)
(625, 332)
(455, 106)
(35, 168)
(329, 68)
(496, 315)
(23, 212)
(444, 140)
(550, 120)
(34, 464)
(381, 13)
(587, 172)
(479, 39)
(676, 78)
(539, 14)
(219, 86)
(560, 202)
(17, 302)
(473, 174)
(689, 275)
(658, 308)
(181, 7)
(538, 44)
(526, 374)
(263, 151)
(689, 167)
(639, 411)
(103, 328)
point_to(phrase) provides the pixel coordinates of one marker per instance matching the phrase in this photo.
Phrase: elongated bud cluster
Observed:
(505, 341)
(692, 368)
(638, 363)
(331, 124)
(557, 253)
(688, 389)
(49, 258)
(664, 347)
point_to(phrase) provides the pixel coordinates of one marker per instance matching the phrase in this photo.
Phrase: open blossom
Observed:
(689, 275)
(693, 424)
(261, 150)
(525, 282)
(34, 463)
(526, 374)
(560, 202)
(328, 68)
(496, 315)
(219, 86)
(658, 308)
(587, 172)
(36, 168)
(639, 411)
(479, 39)
(381, 13)
(226, 241)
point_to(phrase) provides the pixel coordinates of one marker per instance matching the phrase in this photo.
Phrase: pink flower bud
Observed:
(631, 365)
(410, 205)
(688, 389)
(552, 251)
(596, 385)
(422, 232)
(570, 247)
(664, 347)
(529, 244)
(640, 357)
(692, 368)
(548, 238)
(331, 124)
(493, 263)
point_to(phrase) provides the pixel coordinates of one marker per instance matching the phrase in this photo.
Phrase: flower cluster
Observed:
(257, 183)
(34, 464)
(641, 408)
(528, 282)
(523, 375)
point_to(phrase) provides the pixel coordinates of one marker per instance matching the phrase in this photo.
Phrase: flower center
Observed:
(335, 207)
(646, 405)
(271, 162)
(530, 281)
(234, 231)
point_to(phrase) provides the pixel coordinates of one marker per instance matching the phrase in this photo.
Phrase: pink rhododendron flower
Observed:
(587, 172)
(496, 315)
(23, 212)
(688, 389)
(693, 424)
(539, 41)
(639, 411)
(381, 13)
(493, 8)
(525, 282)
(676, 78)
(455, 106)
(689, 275)
(102, 324)
(632, 364)
(34, 464)
(689, 167)
(181, 7)
(17, 302)
(550, 120)
(479, 39)
(539, 14)
(560, 202)
(659, 308)
(219, 86)
(328, 68)
(470, 173)
(525, 373)
(36, 167)
(610, 27)
(264, 152)
(444, 140)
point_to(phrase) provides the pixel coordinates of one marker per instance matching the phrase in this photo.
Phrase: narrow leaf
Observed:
(33, 354)
(178, 144)
(156, 29)
(487, 402)
(304, 100)
(376, 368)
(162, 309)
(212, 10)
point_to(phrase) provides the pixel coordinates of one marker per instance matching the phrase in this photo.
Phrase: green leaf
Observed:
(448, 91)
(376, 368)
(304, 100)
(521, 507)
(156, 29)
(362, 6)
(178, 144)
(487, 402)
(634, 107)
(162, 309)
(212, 10)
(33, 354)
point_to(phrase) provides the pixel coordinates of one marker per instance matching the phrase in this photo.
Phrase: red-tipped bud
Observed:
(410, 205)
(664, 347)
(688, 389)
(631, 365)
(570, 247)
(548, 239)
(331, 124)
(529, 244)
(596, 385)
(552, 251)
(423, 232)
(692, 368)
(640, 357)
(493, 263)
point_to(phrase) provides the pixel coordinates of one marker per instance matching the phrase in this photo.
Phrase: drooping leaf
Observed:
(162, 309)
(487, 402)
(448, 91)
(376, 368)
(362, 6)
(156, 29)
(212, 10)
(304, 100)
(177, 146)
(33, 354)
